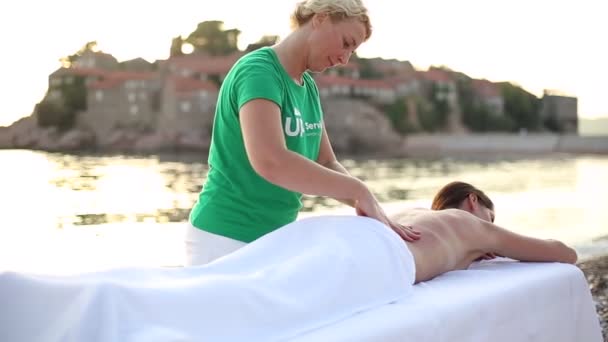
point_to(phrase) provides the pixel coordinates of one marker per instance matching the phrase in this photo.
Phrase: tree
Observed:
(435, 116)
(67, 61)
(62, 112)
(176, 47)
(398, 114)
(210, 37)
(522, 107)
(264, 41)
(480, 118)
(54, 114)
(477, 116)
(366, 69)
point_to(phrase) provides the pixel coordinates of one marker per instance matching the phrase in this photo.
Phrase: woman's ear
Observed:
(318, 19)
(473, 201)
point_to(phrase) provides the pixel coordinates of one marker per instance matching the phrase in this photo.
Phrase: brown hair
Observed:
(336, 9)
(452, 195)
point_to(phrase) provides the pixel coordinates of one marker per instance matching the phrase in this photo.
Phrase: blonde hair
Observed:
(336, 9)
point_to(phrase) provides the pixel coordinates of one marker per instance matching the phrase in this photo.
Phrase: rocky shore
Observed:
(596, 272)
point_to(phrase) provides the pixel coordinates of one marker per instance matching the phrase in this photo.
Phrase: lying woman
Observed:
(460, 230)
(310, 273)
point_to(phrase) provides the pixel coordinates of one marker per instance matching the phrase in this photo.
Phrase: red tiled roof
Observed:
(376, 84)
(185, 85)
(485, 88)
(117, 78)
(205, 64)
(324, 81)
(399, 79)
(435, 75)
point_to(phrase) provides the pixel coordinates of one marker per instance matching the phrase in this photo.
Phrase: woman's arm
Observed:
(327, 158)
(268, 154)
(524, 248)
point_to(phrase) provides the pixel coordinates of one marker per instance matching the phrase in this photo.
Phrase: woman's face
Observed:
(332, 43)
(472, 204)
(484, 213)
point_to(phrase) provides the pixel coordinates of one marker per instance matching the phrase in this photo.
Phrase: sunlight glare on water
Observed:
(64, 213)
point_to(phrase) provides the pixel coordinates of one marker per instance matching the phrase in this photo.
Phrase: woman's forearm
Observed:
(296, 173)
(336, 166)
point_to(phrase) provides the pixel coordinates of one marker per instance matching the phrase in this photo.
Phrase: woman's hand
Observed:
(368, 206)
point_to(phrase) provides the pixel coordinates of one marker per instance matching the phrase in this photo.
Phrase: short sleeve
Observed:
(257, 79)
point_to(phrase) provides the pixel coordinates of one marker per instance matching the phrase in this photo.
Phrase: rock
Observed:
(192, 140)
(119, 140)
(6, 138)
(355, 126)
(595, 271)
(75, 140)
(150, 143)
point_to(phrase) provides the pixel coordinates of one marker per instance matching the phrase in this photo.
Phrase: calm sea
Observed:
(65, 213)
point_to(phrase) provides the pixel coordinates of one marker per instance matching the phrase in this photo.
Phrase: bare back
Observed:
(449, 241)
(452, 239)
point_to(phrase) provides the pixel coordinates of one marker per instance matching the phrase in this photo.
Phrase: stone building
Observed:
(560, 112)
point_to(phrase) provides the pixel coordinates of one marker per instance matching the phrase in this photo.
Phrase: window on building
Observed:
(185, 106)
(99, 95)
(134, 110)
(132, 97)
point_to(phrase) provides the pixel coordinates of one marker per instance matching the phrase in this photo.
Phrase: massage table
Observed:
(318, 279)
(497, 300)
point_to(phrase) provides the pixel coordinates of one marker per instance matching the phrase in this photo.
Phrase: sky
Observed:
(541, 44)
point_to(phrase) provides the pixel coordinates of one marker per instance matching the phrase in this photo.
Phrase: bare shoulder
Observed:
(455, 219)
(453, 226)
(405, 216)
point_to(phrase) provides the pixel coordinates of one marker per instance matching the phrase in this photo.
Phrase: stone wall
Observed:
(502, 143)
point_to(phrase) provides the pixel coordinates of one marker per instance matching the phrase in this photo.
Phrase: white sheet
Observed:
(498, 301)
(306, 282)
(307, 275)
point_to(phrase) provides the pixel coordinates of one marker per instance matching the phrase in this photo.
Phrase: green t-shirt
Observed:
(235, 201)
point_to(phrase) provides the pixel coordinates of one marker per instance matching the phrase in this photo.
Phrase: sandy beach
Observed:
(596, 272)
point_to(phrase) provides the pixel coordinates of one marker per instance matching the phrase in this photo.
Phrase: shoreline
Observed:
(526, 144)
(442, 144)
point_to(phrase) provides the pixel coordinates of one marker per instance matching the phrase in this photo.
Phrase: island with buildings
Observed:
(96, 103)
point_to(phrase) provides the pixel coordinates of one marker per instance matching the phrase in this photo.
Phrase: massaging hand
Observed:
(368, 206)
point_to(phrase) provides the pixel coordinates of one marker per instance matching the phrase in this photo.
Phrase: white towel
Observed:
(306, 275)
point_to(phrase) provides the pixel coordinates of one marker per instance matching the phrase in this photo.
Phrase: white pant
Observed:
(203, 247)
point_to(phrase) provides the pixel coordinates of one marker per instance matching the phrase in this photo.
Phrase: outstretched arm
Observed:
(524, 248)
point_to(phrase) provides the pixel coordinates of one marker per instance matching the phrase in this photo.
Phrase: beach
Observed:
(596, 272)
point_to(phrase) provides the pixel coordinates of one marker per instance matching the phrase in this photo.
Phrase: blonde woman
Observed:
(269, 142)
